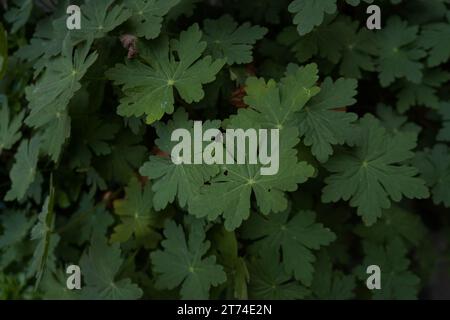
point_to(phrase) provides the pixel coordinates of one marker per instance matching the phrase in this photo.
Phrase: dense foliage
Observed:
(86, 178)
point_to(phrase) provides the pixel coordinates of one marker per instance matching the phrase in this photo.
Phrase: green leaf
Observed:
(398, 54)
(54, 287)
(9, 128)
(310, 13)
(295, 237)
(49, 98)
(171, 180)
(136, 214)
(397, 281)
(182, 262)
(330, 284)
(434, 167)
(101, 269)
(321, 124)
(147, 16)
(274, 105)
(373, 173)
(23, 172)
(183, 8)
(148, 84)
(99, 18)
(55, 134)
(270, 282)
(435, 37)
(229, 194)
(228, 40)
(52, 93)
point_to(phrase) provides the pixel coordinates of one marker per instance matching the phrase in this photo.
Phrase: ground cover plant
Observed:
(87, 178)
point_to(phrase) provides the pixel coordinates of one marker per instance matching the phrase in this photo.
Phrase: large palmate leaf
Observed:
(101, 265)
(295, 237)
(228, 40)
(272, 106)
(99, 18)
(373, 173)
(182, 262)
(398, 54)
(321, 124)
(147, 16)
(310, 13)
(148, 84)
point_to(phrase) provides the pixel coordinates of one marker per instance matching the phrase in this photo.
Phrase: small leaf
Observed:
(374, 172)
(149, 82)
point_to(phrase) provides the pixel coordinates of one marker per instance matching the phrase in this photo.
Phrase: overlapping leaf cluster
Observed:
(87, 178)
